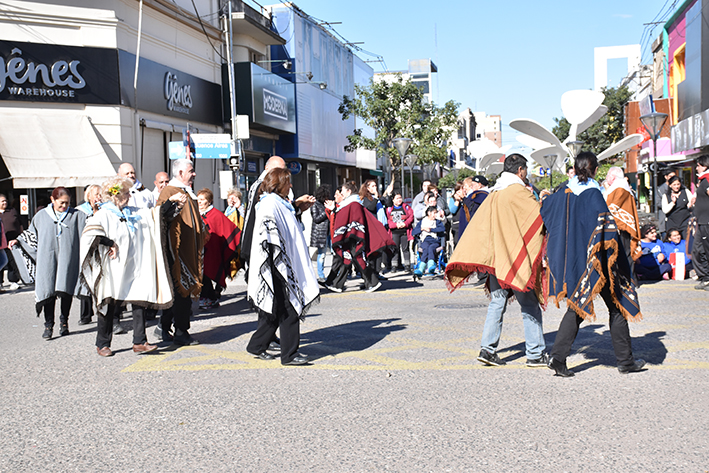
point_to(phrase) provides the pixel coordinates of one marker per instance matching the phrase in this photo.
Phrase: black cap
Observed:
(480, 180)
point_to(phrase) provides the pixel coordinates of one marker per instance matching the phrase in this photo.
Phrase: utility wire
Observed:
(205, 31)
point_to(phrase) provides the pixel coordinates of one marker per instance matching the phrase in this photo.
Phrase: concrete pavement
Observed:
(394, 387)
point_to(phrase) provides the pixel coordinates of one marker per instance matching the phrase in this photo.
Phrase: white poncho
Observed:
(139, 274)
(278, 246)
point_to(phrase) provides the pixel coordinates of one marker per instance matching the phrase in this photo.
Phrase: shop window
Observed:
(677, 75)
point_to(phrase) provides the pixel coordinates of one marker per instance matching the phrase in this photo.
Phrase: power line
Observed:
(205, 31)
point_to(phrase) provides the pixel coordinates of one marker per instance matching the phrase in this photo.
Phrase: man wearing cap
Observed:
(475, 193)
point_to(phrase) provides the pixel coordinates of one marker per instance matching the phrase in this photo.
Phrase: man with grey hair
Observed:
(140, 197)
(186, 237)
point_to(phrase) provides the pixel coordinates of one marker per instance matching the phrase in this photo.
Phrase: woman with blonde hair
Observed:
(122, 261)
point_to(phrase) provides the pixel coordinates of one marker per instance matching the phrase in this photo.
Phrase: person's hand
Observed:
(11, 243)
(329, 204)
(660, 258)
(389, 189)
(113, 251)
(304, 202)
(180, 199)
(692, 201)
(674, 198)
(400, 224)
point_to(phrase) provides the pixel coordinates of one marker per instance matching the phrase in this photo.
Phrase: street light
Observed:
(653, 123)
(402, 146)
(574, 148)
(411, 162)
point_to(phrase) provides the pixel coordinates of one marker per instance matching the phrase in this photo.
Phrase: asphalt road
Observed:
(394, 386)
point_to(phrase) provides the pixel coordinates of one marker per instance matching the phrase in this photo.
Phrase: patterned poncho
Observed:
(279, 250)
(357, 233)
(585, 252)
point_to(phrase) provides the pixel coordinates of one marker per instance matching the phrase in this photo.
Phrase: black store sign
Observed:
(59, 74)
(168, 91)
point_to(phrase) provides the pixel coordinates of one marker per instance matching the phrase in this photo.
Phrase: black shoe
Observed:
(559, 368)
(490, 359)
(539, 362)
(184, 339)
(118, 329)
(264, 356)
(47, 335)
(63, 330)
(297, 360)
(634, 368)
(84, 321)
(703, 285)
(274, 346)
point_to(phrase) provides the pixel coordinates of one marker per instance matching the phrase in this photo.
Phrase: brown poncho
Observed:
(621, 203)
(505, 239)
(186, 239)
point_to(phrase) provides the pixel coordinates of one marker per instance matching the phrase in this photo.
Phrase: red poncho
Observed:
(221, 247)
(358, 230)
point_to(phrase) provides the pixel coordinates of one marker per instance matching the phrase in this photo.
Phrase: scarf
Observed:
(58, 219)
(125, 215)
(175, 183)
(505, 180)
(577, 187)
(506, 241)
(279, 250)
(585, 253)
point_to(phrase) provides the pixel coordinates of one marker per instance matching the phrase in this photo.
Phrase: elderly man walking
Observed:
(507, 244)
(186, 237)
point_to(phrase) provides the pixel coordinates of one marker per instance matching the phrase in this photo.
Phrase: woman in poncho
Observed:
(221, 248)
(50, 249)
(586, 258)
(122, 261)
(282, 283)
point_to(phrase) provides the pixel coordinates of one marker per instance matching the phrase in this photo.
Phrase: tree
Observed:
(608, 129)
(396, 109)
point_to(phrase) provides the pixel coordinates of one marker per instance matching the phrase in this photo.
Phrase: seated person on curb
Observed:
(676, 244)
(430, 230)
(652, 265)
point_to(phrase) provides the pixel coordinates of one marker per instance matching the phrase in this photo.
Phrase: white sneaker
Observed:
(14, 286)
(374, 288)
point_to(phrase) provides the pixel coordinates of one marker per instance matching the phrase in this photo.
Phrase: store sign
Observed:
(167, 91)
(51, 73)
(268, 99)
(24, 205)
(211, 146)
(691, 133)
(178, 96)
(275, 105)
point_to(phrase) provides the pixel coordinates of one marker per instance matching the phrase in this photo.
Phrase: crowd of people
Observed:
(158, 250)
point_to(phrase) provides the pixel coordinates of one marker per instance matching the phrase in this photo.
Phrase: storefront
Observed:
(70, 115)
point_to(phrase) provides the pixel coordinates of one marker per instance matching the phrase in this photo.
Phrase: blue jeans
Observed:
(531, 317)
(321, 262)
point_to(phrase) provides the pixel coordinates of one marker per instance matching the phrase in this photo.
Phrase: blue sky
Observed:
(512, 58)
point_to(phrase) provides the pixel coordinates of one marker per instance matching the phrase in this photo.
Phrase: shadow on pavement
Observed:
(353, 336)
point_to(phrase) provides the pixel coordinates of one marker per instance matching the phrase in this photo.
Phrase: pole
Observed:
(411, 176)
(403, 181)
(232, 96)
(654, 179)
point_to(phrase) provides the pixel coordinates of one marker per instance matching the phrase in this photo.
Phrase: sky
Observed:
(512, 58)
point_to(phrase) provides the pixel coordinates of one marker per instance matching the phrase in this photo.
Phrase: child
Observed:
(652, 265)
(675, 244)
(430, 230)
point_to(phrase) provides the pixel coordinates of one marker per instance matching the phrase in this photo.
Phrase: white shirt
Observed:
(141, 197)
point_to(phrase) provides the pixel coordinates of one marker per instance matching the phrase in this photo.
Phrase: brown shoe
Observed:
(144, 348)
(105, 351)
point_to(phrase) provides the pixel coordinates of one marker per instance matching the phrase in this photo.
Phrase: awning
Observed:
(50, 148)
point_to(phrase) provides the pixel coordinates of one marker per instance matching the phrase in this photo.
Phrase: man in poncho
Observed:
(586, 258)
(186, 237)
(506, 244)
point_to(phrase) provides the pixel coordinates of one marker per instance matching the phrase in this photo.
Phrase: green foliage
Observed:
(608, 129)
(448, 181)
(396, 109)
